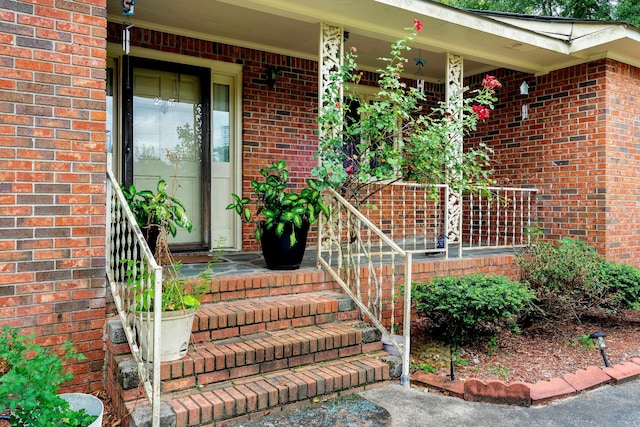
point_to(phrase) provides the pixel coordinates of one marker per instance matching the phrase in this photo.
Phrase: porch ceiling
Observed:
(291, 27)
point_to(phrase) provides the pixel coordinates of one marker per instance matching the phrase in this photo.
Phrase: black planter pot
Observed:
(277, 251)
(151, 234)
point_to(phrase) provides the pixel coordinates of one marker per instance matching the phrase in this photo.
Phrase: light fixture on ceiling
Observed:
(127, 7)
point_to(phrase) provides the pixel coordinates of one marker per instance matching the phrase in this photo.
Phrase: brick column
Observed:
(52, 173)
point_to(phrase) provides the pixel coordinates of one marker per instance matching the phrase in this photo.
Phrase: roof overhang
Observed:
(485, 41)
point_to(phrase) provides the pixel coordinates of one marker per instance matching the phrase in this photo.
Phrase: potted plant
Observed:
(30, 378)
(286, 214)
(156, 211)
(180, 301)
(159, 215)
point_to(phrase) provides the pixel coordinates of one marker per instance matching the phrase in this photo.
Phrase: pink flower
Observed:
(417, 24)
(482, 112)
(349, 169)
(491, 82)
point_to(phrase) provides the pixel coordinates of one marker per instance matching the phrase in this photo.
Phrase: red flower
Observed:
(349, 169)
(491, 82)
(417, 24)
(482, 112)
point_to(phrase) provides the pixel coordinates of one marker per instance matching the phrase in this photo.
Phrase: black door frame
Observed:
(128, 65)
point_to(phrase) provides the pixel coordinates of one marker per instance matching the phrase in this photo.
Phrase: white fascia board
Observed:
(479, 23)
(601, 37)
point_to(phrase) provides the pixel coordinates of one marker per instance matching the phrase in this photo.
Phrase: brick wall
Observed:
(278, 123)
(622, 215)
(52, 165)
(577, 148)
(571, 147)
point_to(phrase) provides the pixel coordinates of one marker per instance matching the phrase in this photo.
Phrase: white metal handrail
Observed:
(134, 278)
(354, 251)
(359, 247)
(498, 217)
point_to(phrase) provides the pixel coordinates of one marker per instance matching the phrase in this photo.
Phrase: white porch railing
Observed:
(128, 258)
(369, 251)
(357, 254)
(498, 217)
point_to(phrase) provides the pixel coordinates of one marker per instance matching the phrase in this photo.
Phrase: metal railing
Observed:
(411, 215)
(362, 259)
(369, 250)
(498, 217)
(135, 280)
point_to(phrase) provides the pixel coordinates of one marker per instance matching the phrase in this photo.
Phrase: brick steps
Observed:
(216, 361)
(250, 354)
(230, 403)
(249, 316)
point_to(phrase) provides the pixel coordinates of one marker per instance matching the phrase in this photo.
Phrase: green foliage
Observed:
(628, 11)
(579, 9)
(623, 283)
(500, 371)
(570, 279)
(178, 292)
(492, 344)
(395, 137)
(461, 309)
(29, 389)
(157, 209)
(278, 205)
(427, 368)
(585, 342)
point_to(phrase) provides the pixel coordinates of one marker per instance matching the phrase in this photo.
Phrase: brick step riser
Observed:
(234, 287)
(217, 376)
(253, 397)
(235, 358)
(219, 321)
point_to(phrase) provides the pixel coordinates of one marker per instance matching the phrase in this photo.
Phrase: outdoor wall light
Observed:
(598, 342)
(524, 90)
(127, 7)
(272, 76)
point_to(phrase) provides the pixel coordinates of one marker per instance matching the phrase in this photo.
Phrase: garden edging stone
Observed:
(527, 394)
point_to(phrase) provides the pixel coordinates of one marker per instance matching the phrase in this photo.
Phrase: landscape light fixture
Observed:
(598, 342)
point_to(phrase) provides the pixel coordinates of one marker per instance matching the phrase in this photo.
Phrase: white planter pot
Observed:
(88, 402)
(176, 333)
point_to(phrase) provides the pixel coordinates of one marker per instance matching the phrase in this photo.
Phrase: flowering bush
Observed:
(393, 137)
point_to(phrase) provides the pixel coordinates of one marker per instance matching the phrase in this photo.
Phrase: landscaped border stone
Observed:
(526, 394)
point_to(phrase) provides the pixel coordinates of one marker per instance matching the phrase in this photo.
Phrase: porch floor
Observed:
(252, 262)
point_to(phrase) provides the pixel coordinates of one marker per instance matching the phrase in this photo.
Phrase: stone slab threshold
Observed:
(527, 394)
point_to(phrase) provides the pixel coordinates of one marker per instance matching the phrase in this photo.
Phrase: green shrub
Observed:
(564, 278)
(29, 387)
(623, 283)
(461, 309)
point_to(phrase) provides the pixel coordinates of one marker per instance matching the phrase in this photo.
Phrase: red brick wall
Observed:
(561, 149)
(278, 123)
(52, 165)
(622, 215)
(577, 148)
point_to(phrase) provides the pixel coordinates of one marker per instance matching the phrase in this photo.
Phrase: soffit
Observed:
(292, 27)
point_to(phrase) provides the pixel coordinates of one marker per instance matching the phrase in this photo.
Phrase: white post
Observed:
(405, 380)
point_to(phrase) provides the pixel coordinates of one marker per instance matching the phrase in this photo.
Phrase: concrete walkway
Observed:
(612, 406)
